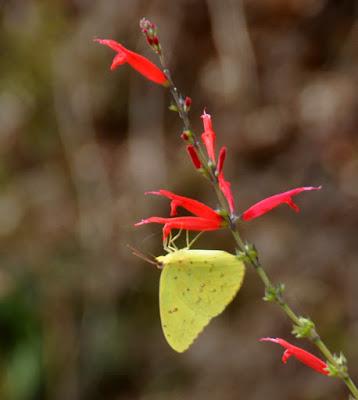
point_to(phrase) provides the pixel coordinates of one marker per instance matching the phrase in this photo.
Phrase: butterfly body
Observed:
(195, 286)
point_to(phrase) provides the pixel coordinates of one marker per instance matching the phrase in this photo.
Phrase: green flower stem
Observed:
(290, 313)
(324, 349)
(250, 259)
(351, 386)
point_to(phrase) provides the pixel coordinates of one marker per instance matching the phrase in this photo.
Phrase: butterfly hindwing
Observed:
(195, 286)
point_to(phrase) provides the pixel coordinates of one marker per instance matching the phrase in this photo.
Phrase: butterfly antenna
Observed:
(144, 257)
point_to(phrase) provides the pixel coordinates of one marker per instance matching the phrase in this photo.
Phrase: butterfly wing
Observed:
(195, 286)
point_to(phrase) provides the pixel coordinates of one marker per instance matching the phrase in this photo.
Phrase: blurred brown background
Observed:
(79, 146)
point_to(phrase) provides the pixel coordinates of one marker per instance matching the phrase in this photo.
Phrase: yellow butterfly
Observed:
(195, 286)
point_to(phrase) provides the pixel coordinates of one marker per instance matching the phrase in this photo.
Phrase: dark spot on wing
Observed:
(173, 310)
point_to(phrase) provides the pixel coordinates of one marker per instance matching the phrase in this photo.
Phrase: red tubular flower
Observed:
(266, 205)
(221, 160)
(193, 155)
(186, 223)
(194, 206)
(224, 185)
(302, 355)
(208, 136)
(136, 61)
(206, 218)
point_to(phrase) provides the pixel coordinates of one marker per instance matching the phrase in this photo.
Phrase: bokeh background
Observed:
(80, 145)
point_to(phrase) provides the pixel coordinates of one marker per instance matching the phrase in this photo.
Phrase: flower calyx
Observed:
(274, 293)
(339, 368)
(304, 329)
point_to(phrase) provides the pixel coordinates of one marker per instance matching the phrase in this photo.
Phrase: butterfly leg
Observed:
(166, 246)
(169, 245)
(189, 244)
(175, 238)
(187, 239)
(171, 242)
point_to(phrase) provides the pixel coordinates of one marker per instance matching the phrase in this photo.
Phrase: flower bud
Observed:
(194, 156)
(221, 160)
(187, 136)
(149, 30)
(187, 104)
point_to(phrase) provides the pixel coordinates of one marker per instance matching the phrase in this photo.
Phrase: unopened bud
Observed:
(221, 160)
(187, 103)
(149, 30)
(145, 25)
(187, 136)
(194, 156)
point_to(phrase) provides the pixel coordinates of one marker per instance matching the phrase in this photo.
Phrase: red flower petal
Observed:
(196, 207)
(136, 61)
(118, 60)
(302, 355)
(266, 205)
(208, 136)
(186, 223)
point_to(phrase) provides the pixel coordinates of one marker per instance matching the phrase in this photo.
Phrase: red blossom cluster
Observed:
(213, 220)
